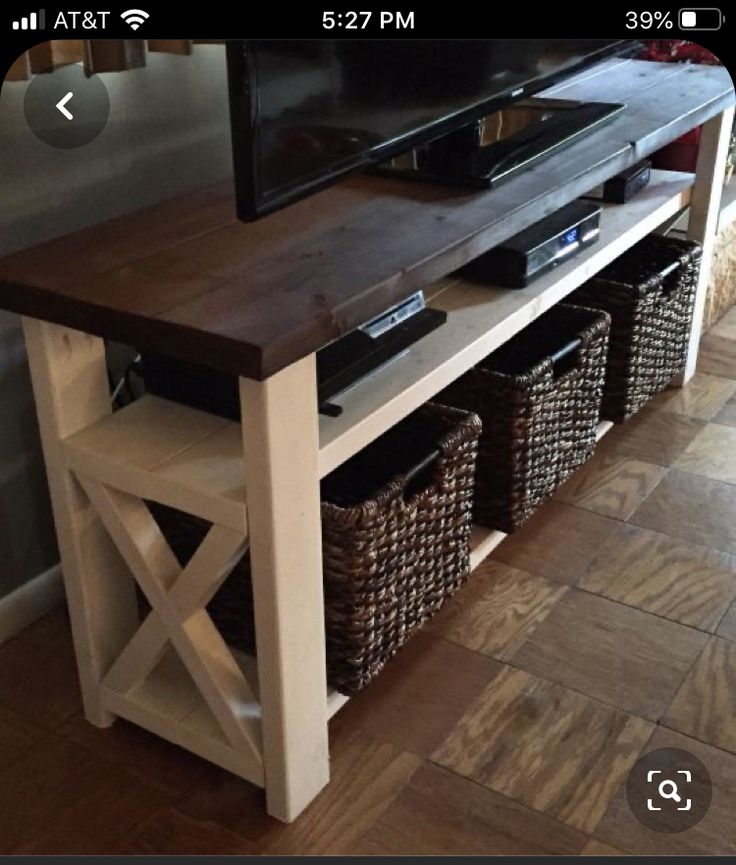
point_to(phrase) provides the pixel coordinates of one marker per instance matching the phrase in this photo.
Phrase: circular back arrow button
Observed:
(65, 108)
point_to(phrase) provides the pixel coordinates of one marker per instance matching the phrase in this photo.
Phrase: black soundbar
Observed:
(339, 365)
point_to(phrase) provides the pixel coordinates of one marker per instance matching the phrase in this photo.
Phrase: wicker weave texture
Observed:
(649, 292)
(539, 421)
(390, 560)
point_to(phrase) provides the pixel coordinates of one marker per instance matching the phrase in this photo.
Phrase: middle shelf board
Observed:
(481, 318)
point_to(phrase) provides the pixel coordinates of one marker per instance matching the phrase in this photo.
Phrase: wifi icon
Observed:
(134, 17)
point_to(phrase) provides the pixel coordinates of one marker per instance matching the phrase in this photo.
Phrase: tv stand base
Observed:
(469, 159)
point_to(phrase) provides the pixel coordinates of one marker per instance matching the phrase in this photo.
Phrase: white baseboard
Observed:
(30, 601)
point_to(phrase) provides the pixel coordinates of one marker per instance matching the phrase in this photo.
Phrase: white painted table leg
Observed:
(71, 391)
(703, 221)
(281, 444)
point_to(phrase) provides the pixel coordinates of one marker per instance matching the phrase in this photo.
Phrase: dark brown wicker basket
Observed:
(538, 397)
(396, 523)
(649, 292)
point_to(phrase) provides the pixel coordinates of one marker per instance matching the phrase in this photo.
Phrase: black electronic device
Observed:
(624, 186)
(545, 244)
(304, 113)
(361, 352)
(339, 365)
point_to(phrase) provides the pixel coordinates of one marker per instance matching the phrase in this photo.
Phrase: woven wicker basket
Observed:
(649, 292)
(396, 523)
(538, 397)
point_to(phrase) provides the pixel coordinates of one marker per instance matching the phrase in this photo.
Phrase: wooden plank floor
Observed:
(605, 627)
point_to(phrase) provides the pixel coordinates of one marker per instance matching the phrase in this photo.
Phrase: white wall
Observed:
(168, 133)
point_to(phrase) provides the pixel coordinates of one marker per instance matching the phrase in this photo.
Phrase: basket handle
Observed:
(669, 269)
(561, 353)
(421, 466)
(406, 493)
(664, 273)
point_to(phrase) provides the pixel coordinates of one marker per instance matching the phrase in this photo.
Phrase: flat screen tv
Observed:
(306, 112)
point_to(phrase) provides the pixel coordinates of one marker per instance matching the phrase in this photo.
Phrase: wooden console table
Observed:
(258, 300)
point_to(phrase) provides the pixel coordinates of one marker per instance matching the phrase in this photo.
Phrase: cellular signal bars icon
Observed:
(35, 21)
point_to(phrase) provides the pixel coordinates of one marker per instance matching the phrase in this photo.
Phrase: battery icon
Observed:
(701, 19)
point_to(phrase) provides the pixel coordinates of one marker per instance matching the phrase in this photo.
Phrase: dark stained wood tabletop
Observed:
(187, 278)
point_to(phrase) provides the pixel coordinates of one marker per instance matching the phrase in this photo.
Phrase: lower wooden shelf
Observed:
(482, 543)
(169, 704)
(247, 663)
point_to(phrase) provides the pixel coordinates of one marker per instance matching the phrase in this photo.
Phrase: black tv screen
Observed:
(306, 112)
